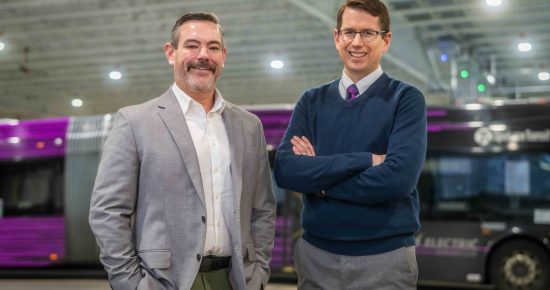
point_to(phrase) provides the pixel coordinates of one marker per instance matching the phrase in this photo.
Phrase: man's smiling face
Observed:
(198, 60)
(360, 57)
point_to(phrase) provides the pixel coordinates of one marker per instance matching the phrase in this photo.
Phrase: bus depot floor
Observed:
(101, 284)
(81, 284)
(83, 278)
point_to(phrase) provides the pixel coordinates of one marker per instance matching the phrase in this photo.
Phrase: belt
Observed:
(213, 263)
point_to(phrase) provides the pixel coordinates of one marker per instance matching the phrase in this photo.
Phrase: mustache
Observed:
(202, 64)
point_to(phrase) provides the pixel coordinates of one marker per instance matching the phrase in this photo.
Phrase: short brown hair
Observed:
(375, 8)
(201, 16)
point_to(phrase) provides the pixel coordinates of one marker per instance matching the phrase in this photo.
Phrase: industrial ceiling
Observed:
(53, 51)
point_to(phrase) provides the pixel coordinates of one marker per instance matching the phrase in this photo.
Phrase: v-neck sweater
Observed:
(366, 209)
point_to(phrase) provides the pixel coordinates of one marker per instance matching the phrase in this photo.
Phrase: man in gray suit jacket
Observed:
(183, 196)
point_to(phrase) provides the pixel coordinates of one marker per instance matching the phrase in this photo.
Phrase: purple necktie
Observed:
(351, 93)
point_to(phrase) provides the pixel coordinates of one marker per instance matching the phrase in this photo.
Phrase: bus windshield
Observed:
(503, 187)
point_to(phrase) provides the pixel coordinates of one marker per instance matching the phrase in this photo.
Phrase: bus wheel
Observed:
(520, 265)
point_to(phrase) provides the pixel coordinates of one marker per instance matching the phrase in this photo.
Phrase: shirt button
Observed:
(203, 218)
(198, 257)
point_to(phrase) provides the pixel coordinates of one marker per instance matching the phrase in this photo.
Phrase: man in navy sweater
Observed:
(355, 149)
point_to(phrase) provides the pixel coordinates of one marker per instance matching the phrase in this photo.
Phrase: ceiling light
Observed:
(77, 103)
(494, 3)
(14, 140)
(277, 64)
(115, 75)
(491, 79)
(524, 47)
(544, 76)
(2, 45)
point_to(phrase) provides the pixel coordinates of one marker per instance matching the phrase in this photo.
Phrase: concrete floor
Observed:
(81, 284)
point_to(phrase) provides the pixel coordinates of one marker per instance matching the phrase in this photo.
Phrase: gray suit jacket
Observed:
(147, 209)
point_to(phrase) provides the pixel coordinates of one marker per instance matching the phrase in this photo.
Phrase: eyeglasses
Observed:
(365, 35)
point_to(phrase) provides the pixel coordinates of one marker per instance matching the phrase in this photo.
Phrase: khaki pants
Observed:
(213, 280)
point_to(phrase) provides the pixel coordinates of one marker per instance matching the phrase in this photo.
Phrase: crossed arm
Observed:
(309, 173)
(302, 146)
(359, 177)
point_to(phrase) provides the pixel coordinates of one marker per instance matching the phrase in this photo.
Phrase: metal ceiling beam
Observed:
(75, 65)
(28, 4)
(492, 39)
(503, 28)
(475, 18)
(129, 10)
(157, 48)
(301, 31)
(470, 9)
(403, 13)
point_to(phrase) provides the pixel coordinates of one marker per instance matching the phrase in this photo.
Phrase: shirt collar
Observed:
(363, 84)
(186, 101)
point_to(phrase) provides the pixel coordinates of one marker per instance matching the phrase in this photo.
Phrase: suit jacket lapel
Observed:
(174, 120)
(233, 125)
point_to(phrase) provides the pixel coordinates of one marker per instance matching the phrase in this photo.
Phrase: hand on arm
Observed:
(302, 146)
(378, 159)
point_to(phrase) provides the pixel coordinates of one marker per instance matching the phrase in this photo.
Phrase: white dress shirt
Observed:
(212, 146)
(363, 84)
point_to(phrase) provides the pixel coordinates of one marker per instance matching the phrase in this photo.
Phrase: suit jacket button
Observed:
(203, 218)
(198, 257)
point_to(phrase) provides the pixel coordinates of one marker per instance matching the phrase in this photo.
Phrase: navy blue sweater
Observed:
(367, 209)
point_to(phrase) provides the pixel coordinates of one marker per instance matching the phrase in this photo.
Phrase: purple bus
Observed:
(47, 171)
(32, 230)
(484, 194)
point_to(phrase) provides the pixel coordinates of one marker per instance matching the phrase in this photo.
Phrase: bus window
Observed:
(540, 175)
(485, 187)
(32, 187)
